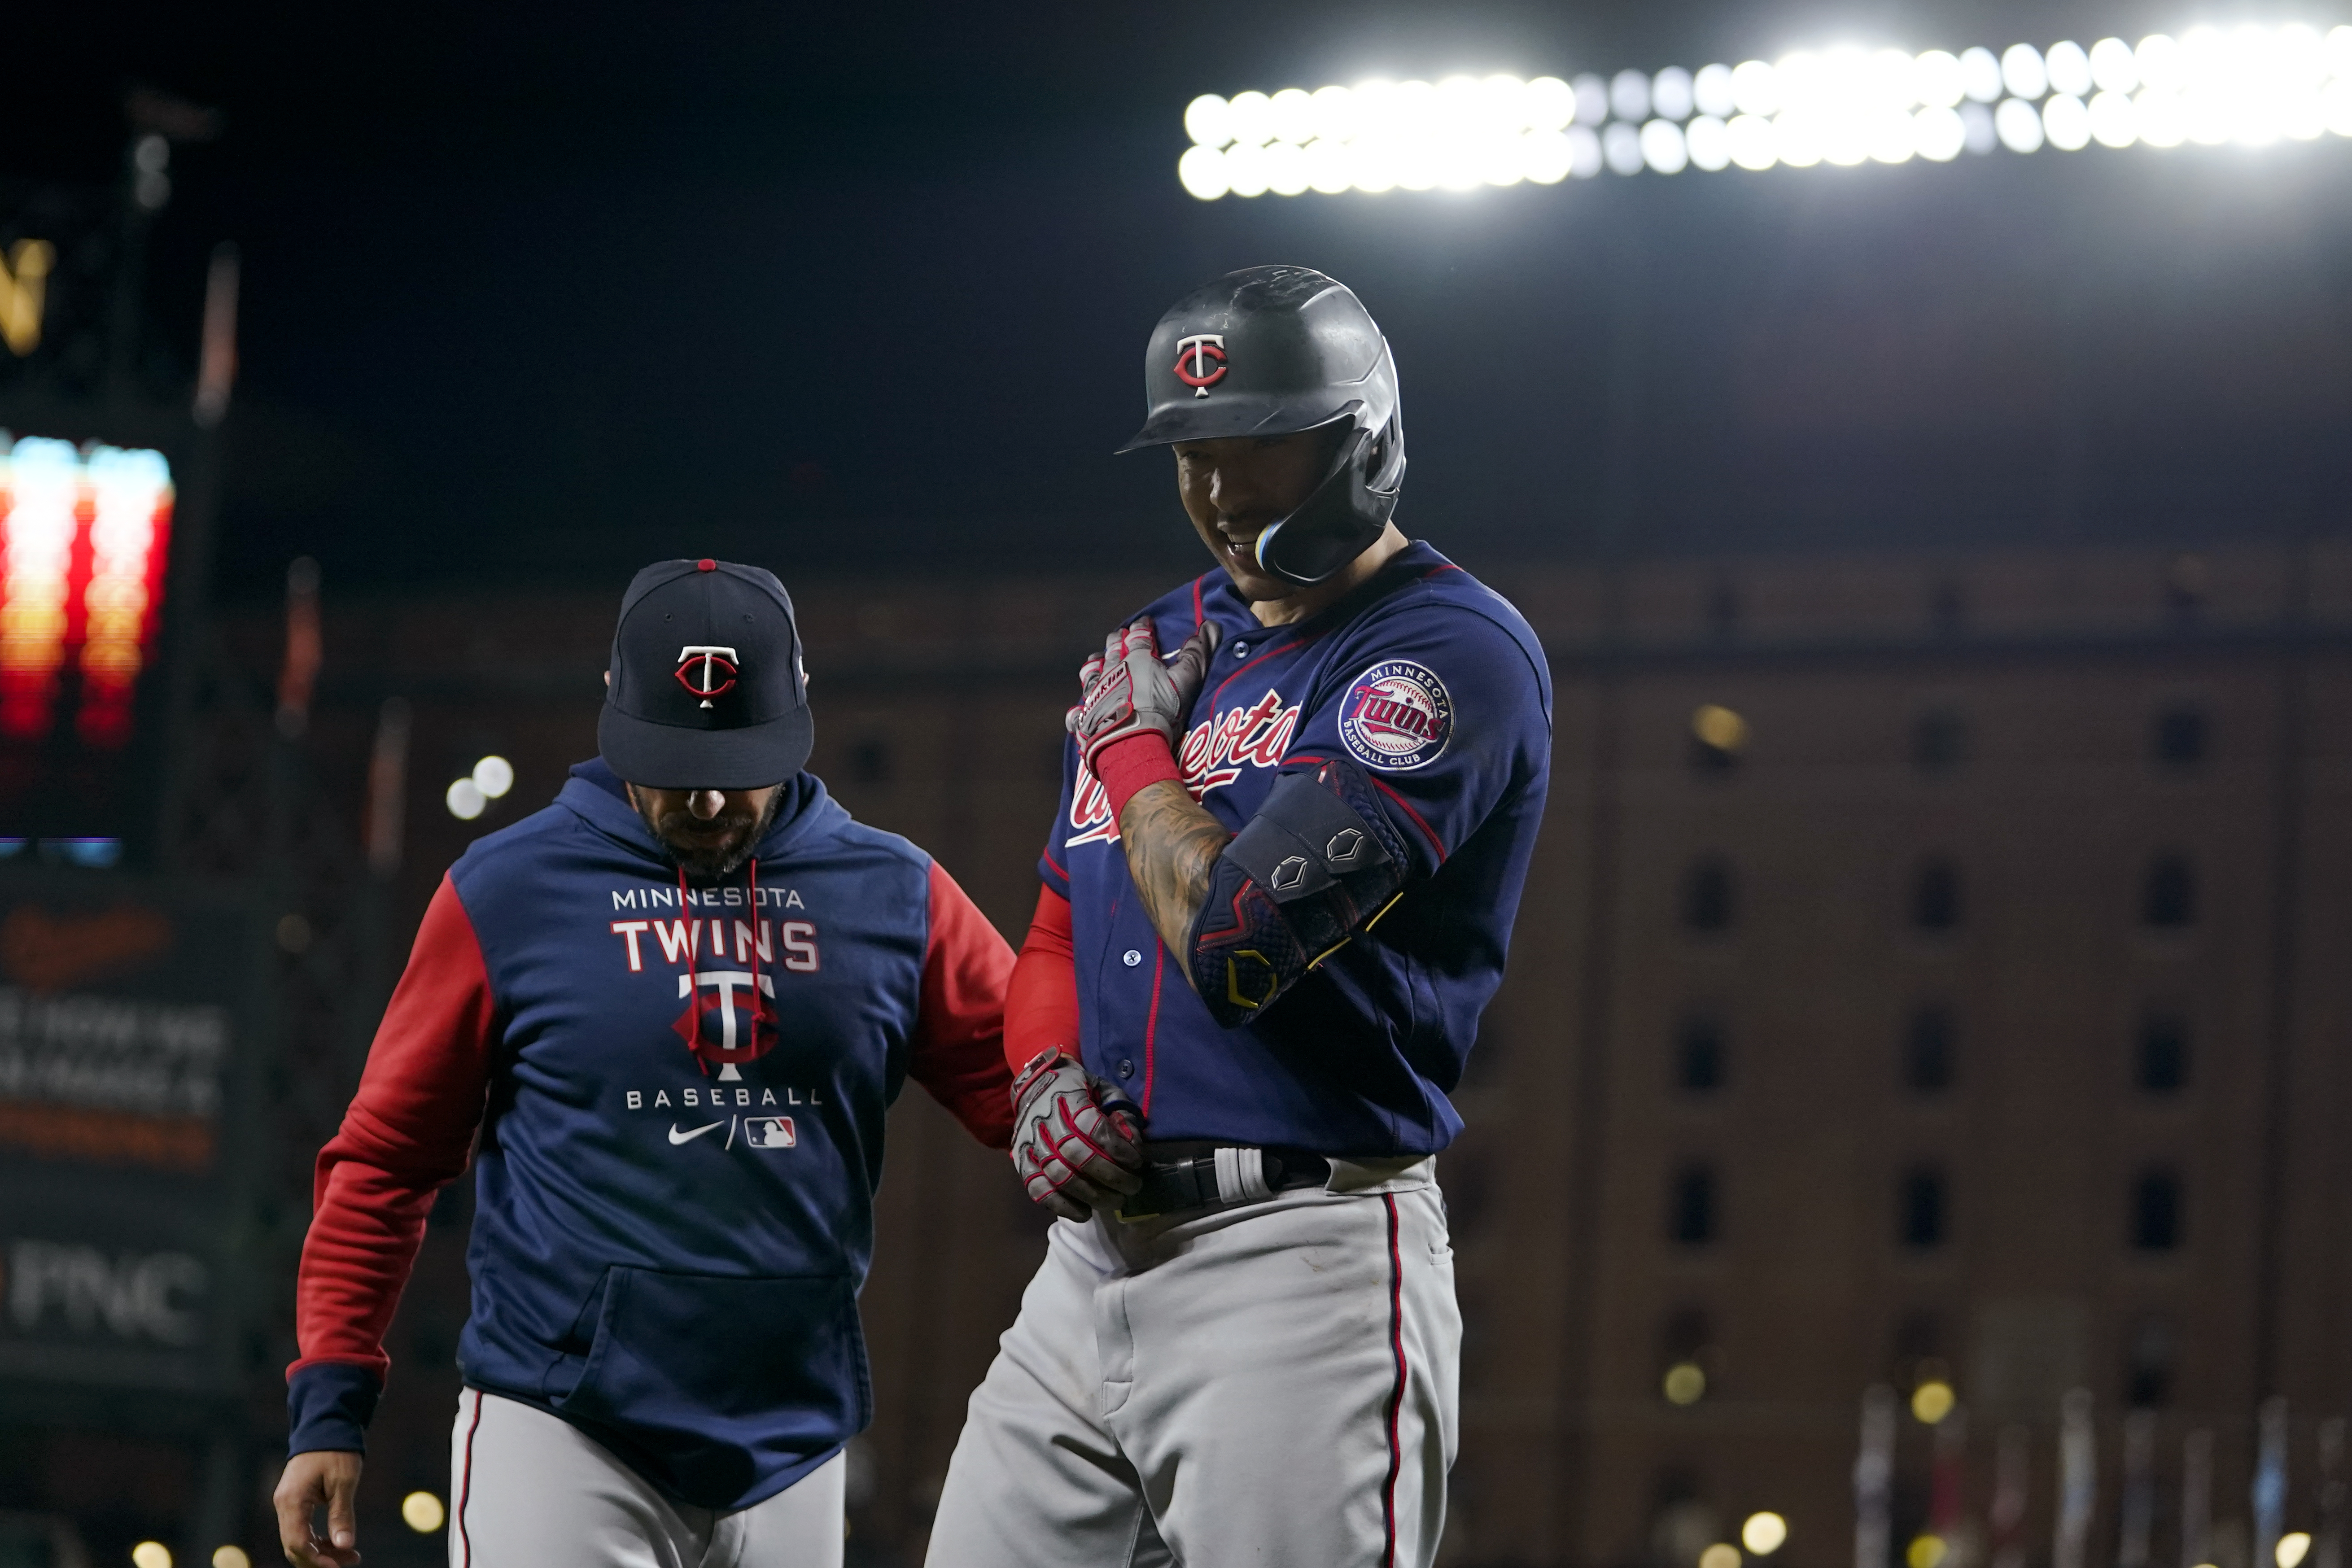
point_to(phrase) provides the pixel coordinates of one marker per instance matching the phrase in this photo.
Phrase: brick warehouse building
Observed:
(1927, 974)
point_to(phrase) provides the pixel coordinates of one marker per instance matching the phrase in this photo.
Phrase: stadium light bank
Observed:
(2249, 86)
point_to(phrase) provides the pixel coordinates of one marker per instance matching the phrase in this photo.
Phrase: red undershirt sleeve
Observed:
(959, 1043)
(410, 1129)
(1041, 1007)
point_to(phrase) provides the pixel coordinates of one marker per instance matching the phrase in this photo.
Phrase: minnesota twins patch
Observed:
(1397, 716)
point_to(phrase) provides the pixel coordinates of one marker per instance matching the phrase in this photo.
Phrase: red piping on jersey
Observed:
(466, 1481)
(1152, 1022)
(1396, 1396)
(1263, 650)
(1059, 869)
(1407, 807)
(1196, 599)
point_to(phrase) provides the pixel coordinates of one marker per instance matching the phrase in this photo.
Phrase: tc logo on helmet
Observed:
(1201, 362)
(705, 670)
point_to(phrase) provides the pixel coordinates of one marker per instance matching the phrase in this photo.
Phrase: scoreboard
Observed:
(85, 533)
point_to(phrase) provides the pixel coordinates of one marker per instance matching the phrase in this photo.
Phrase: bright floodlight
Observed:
(494, 775)
(1711, 92)
(1621, 145)
(2247, 85)
(2017, 124)
(2069, 69)
(1755, 88)
(1979, 75)
(1208, 120)
(1710, 144)
(423, 1512)
(2112, 68)
(2292, 1549)
(1672, 94)
(2023, 71)
(1249, 117)
(466, 800)
(1550, 103)
(1292, 114)
(1629, 95)
(1663, 147)
(1203, 171)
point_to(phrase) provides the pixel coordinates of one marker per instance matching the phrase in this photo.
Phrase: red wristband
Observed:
(1128, 767)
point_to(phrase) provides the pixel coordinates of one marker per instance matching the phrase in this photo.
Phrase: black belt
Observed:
(1221, 1179)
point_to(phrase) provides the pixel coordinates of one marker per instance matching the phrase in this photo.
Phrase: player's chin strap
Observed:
(1343, 515)
(1318, 864)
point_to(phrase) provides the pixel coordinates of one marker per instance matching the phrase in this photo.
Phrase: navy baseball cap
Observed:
(706, 688)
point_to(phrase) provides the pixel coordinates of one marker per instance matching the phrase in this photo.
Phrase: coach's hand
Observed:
(1125, 691)
(1075, 1140)
(329, 1476)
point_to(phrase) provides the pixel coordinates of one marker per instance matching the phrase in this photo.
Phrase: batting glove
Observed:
(1126, 690)
(1075, 1137)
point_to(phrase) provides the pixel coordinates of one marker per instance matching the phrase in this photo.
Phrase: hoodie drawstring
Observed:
(750, 1047)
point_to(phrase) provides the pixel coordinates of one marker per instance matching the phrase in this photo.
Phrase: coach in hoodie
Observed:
(674, 1005)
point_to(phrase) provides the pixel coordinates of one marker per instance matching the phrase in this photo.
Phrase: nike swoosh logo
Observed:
(677, 1137)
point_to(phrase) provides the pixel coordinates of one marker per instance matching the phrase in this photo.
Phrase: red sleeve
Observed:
(408, 1132)
(959, 1045)
(1041, 1008)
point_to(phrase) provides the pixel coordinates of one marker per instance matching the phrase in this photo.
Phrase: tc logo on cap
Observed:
(1201, 362)
(705, 670)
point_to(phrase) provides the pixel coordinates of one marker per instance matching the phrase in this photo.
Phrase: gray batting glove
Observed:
(1074, 1138)
(1126, 690)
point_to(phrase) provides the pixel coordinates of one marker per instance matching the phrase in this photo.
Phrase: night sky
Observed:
(533, 294)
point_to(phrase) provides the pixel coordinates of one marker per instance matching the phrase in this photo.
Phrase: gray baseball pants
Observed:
(1273, 1384)
(526, 1491)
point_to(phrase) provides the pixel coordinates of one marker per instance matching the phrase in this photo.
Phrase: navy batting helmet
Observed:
(1271, 350)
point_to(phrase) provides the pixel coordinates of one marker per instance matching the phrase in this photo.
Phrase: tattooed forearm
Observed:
(1172, 844)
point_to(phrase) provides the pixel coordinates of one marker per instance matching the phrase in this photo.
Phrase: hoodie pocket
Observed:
(772, 1364)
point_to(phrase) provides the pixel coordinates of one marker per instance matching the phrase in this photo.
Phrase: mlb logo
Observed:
(769, 1132)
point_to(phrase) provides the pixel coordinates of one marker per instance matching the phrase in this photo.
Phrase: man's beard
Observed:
(708, 862)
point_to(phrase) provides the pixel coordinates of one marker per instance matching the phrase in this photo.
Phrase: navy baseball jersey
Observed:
(1434, 686)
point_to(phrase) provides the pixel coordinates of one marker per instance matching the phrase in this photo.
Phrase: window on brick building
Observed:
(2168, 898)
(2151, 1352)
(2156, 1210)
(1699, 1054)
(2160, 1065)
(1935, 894)
(1723, 610)
(1948, 606)
(1709, 895)
(1939, 742)
(1688, 1360)
(1930, 1050)
(2179, 735)
(1921, 1207)
(1691, 1205)
(1718, 736)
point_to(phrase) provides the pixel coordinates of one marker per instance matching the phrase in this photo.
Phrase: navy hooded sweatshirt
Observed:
(675, 1183)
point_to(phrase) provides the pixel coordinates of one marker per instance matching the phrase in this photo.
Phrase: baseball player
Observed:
(673, 1006)
(1276, 898)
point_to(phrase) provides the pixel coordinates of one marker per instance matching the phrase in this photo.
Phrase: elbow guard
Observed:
(1318, 864)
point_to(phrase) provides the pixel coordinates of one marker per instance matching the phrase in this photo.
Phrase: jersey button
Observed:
(1126, 1067)
(1241, 650)
(1131, 958)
